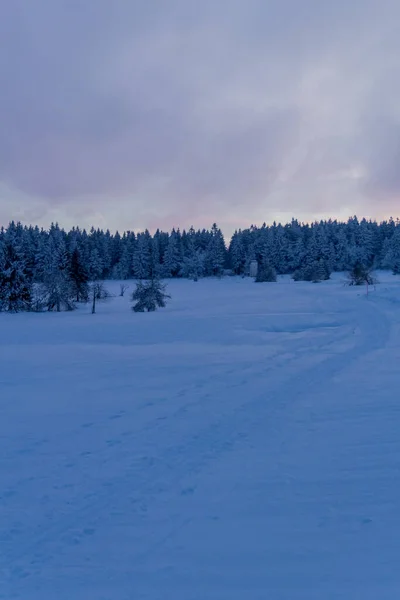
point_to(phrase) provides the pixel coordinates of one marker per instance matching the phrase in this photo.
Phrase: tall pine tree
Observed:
(79, 277)
(15, 281)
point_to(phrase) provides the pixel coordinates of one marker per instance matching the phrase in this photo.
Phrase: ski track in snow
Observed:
(242, 443)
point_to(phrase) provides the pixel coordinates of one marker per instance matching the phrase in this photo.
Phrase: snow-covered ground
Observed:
(241, 444)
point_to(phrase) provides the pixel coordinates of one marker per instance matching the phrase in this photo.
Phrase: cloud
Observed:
(141, 114)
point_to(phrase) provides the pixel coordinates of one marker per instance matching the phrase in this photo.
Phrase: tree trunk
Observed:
(94, 302)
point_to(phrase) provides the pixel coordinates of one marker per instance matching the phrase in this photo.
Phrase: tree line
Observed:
(53, 269)
(311, 252)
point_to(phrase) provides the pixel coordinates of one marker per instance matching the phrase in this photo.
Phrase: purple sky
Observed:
(143, 113)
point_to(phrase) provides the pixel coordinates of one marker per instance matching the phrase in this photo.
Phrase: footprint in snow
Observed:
(117, 415)
(188, 491)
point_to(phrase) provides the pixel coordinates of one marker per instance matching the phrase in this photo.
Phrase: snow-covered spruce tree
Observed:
(265, 248)
(115, 249)
(341, 256)
(79, 277)
(237, 253)
(123, 268)
(279, 249)
(216, 253)
(155, 257)
(172, 260)
(149, 295)
(29, 249)
(266, 273)
(56, 291)
(106, 249)
(193, 265)
(15, 283)
(142, 256)
(193, 260)
(96, 265)
(392, 252)
(99, 254)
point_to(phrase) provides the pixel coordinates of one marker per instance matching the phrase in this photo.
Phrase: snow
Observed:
(242, 443)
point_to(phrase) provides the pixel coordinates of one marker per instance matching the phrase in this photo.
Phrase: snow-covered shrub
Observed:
(265, 273)
(360, 274)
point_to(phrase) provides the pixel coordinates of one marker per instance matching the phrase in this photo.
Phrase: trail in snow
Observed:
(241, 444)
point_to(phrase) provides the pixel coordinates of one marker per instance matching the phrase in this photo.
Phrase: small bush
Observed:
(266, 274)
(360, 275)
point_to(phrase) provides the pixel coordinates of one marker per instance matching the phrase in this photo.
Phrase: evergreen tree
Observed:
(123, 269)
(155, 257)
(106, 253)
(279, 256)
(172, 256)
(149, 295)
(29, 248)
(79, 277)
(96, 265)
(215, 254)
(342, 255)
(392, 252)
(193, 264)
(57, 291)
(15, 283)
(142, 256)
(115, 250)
(237, 253)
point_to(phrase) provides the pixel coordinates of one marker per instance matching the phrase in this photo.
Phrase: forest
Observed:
(52, 269)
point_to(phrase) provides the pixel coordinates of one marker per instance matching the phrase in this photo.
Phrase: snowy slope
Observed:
(242, 443)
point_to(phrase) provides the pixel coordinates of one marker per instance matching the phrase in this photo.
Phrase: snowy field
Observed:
(241, 444)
